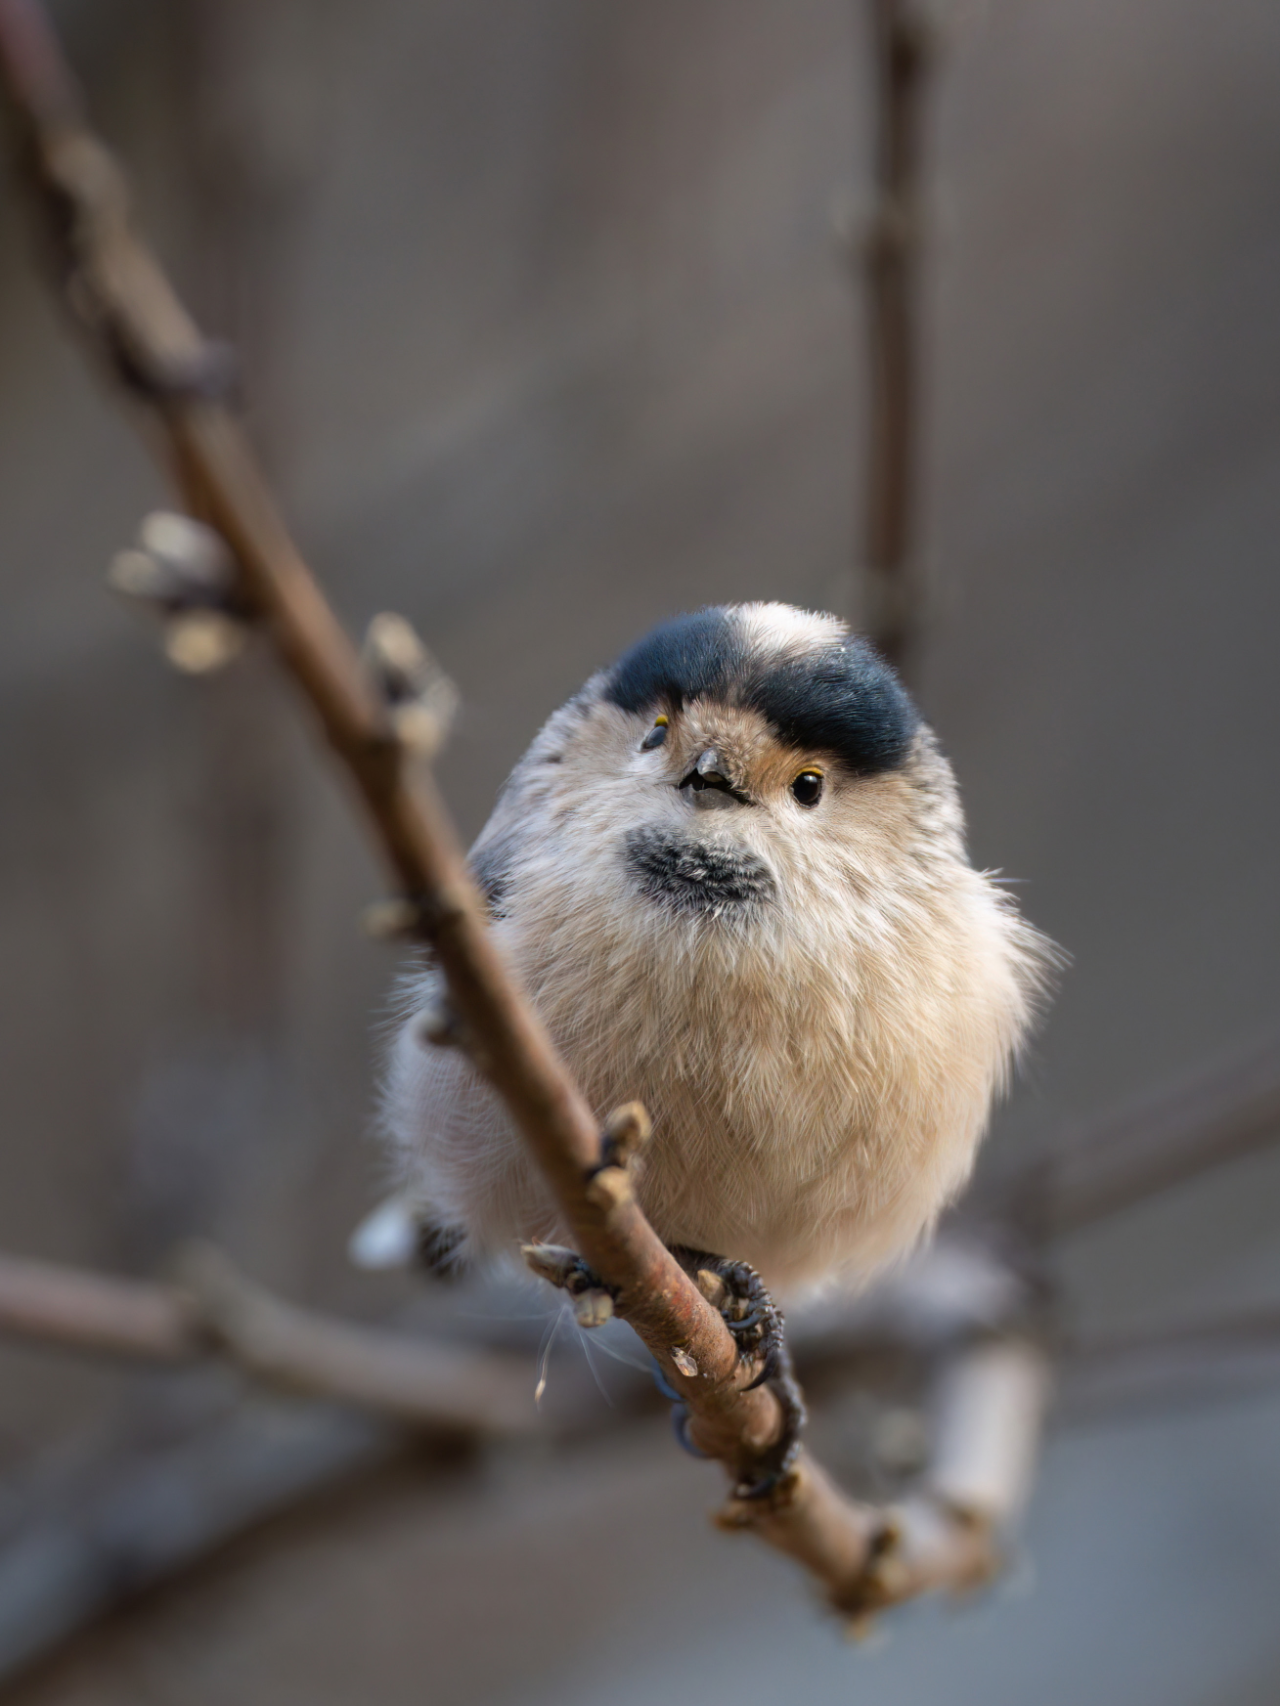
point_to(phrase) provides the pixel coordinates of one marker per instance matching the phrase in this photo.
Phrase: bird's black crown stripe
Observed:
(841, 698)
(692, 657)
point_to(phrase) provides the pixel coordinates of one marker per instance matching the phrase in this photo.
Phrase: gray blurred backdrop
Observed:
(548, 335)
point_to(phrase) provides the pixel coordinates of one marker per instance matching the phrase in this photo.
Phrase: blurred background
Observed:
(551, 329)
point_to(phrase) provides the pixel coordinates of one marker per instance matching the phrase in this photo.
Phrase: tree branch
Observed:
(93, 1312)
(214, 1310)
(949, 1533)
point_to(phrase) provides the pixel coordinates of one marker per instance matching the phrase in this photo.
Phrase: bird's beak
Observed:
(710, 783)
(712, 771)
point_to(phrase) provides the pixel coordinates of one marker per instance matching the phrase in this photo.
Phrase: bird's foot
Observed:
(749, 1312)
(403, 1232)
(756, 1322)
(439, 1251)
(679, 1411)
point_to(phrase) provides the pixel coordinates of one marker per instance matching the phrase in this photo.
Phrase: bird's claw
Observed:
(771, 1368)
(748, 1324)
(680, 1427)
(757, 1325)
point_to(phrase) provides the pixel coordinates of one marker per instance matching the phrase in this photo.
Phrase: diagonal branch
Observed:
(142, 335)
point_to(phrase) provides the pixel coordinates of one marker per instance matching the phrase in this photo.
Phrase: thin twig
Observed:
(123, 303)
(890, 258)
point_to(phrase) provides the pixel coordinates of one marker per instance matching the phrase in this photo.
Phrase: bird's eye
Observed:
(807, 787)
(656, 735)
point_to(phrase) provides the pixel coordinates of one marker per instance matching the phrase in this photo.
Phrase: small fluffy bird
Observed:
(731, 875)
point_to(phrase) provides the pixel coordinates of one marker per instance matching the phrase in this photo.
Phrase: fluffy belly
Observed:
(803, 1123)
(798, 1174)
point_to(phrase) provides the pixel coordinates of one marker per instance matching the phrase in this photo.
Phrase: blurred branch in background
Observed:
(889, 250)
(93, 1536)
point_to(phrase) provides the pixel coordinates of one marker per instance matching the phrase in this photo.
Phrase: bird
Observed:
(731, 875)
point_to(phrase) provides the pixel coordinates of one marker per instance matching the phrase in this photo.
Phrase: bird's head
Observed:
(738, 760)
